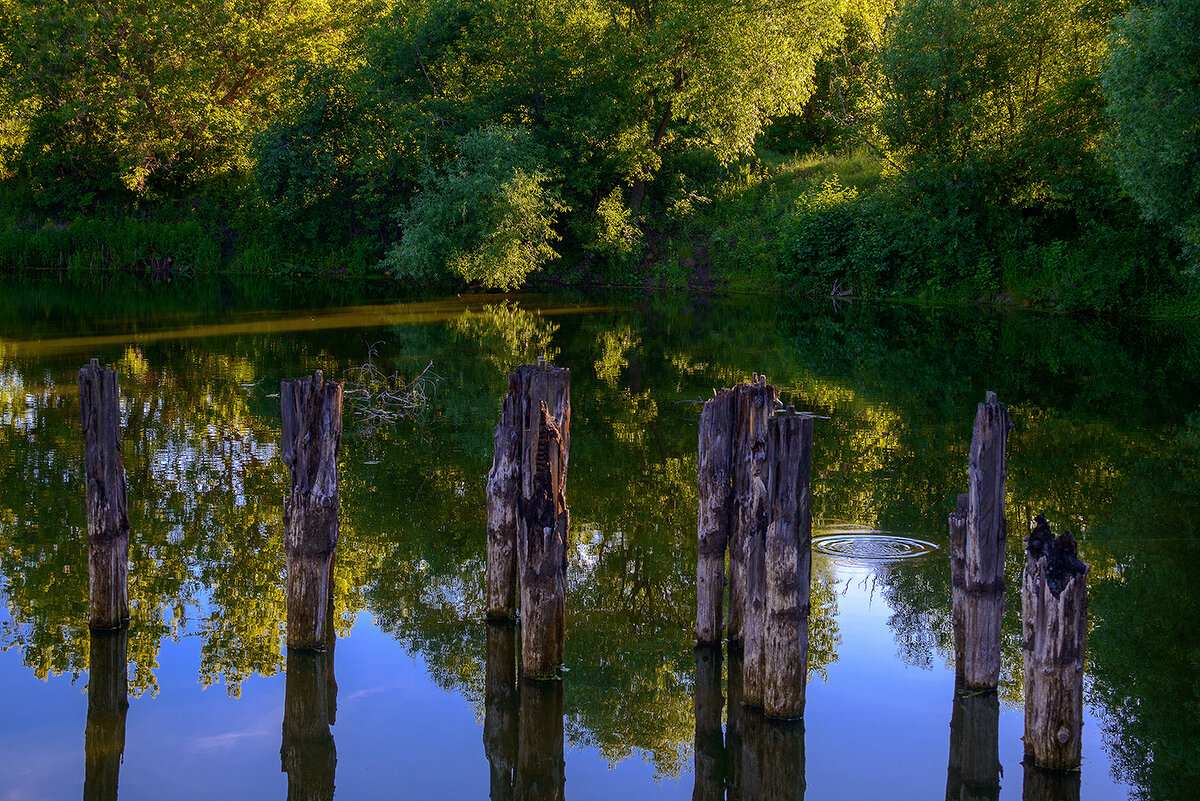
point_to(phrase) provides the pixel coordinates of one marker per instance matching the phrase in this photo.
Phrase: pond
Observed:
(412, 699)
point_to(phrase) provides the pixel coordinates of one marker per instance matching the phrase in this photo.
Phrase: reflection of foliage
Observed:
(613, 347)
(508, 335)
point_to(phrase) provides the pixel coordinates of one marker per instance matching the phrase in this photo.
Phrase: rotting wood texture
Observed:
(108, 522)
(788, 565)
(754, 404)
(986, 537)
(715, 495)
(1054, 621)
(312, 434)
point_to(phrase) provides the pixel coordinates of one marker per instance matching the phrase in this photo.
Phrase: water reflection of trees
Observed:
(899, 386)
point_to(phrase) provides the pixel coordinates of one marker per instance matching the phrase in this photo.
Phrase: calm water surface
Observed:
(415, 697)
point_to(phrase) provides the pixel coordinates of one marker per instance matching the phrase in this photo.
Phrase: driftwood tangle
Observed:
(500, 709)
(108, 523)
(982, 578)
(973, 773)
(1054, 621)
(715, 494)
(788, 561)
(107, 703)
(312, 434)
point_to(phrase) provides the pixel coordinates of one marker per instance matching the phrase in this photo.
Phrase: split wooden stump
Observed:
(978, 536)
(1054, 620)
(528, 519)
(312, 434)
(108, 522)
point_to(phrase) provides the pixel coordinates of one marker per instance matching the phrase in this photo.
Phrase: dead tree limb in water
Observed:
(312, 434)
(715, 495)
(983, 575)
(788, 562)
(108, 522)
(1054, 619)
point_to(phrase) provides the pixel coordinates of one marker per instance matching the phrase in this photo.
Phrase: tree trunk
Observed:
(108, 702)
(500, 709)
(715, 495)
(108, 523)
(973, 773)
(788, 566)
(542, 542)
(312, 434)
(503, 489)
(710, 742)
(754, 404)
(1054, 618)
(540, 765)
(985, 545)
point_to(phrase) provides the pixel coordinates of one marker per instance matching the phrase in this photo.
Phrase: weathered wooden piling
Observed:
(107, 705)
(734, 725)
(982, 585)
(754, 403)
(788, 559)
(500, 708)
(503, 490)
(773, 760)
(312, 434)
(541, 768)
(973, 771)
(1054, 619)
(108, 523)
(710, 741)
(715, 495)
(1049, 785)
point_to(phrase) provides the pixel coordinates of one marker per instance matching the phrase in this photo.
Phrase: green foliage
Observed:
(1152, 84)
(487, 217)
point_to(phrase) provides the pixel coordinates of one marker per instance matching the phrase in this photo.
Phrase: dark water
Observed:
(414, 699)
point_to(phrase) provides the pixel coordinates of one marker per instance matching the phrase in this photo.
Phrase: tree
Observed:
(1152, 84)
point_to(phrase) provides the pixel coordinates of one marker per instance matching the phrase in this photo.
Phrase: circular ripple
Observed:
(869, 546)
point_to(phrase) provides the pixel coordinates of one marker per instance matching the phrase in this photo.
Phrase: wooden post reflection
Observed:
(733, 728)
(772, 758)
(308, 755)
(710, 741)
(540, 772)
(500, 708)
(108, 701)
(973, 773)
(1049, 785)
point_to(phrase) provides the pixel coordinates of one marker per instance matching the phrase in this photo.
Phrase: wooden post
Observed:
(108, 523)
(108, 702)
(782, 760)
(715, 495)
(973, 772)
(540, 766)
(734, 725)
(710, 742)
(983, 575)
(754, 403)
(1054, 618)
(500, 709)
(542, 549)
(788, 565)
(312, 434)
(308, 754)
(503, 489)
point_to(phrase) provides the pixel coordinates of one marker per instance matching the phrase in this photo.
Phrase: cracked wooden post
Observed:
(788, 565)
(986, 537)
(754, 403)
(543, 519)
(107, 705)
(712, 529)
(108, 523)
(973, 771)
(503, 489)
(312, 434)
(500, 709)
(1054, 620)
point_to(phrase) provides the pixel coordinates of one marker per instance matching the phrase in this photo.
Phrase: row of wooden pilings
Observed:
(755, 463)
